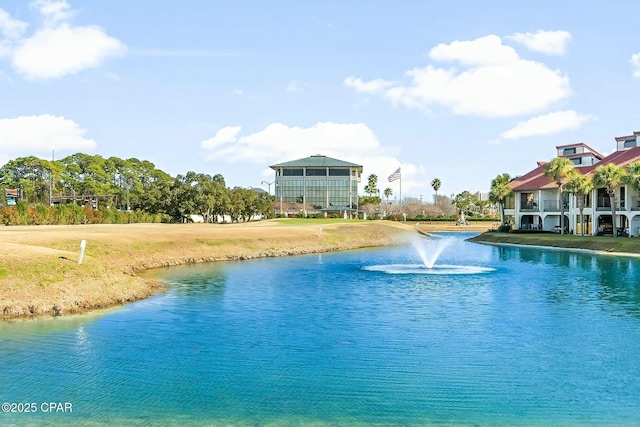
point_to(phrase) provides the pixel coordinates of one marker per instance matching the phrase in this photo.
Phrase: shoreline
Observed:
(558, 248)
(40, 275)
(618, 246)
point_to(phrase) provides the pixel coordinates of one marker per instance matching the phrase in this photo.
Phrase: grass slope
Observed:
(596, 243)
(40, 269)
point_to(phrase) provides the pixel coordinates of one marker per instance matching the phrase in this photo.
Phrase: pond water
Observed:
(490, 336)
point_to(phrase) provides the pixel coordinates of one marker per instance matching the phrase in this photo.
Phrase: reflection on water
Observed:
(540, 337)
(585, 277)
(47, 324)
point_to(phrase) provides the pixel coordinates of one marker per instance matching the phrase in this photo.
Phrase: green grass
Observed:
(596, 243)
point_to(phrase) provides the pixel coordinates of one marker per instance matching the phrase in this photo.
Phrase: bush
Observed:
(504, 228)
(92, 216)
(39, 214)
(395, 217)
(45, 214)
(9, 215)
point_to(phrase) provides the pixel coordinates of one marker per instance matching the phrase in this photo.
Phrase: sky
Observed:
(459, 90)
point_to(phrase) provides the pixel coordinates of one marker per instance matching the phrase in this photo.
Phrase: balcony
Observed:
(635, 204)
(529, 206)
(604, 204)
(554, 206)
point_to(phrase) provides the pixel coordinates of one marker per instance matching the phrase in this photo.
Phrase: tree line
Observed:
(135, 187)
(463, 204)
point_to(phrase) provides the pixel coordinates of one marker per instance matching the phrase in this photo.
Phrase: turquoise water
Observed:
(495, 337)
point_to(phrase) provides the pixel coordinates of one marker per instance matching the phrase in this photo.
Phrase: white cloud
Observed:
(373, 86)
(224, 136)
(26, 135)
(56, 52)
(487, 50)
(496, 82)
(353, 142)
(635, 61)
(57, 48)
(547, 124)
(278, 141)
(11, 28)
(549, 42)
(53, 11)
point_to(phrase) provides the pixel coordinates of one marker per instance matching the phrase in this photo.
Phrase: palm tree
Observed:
(388, 193)
(560, 170)
(499, 192)
(632, 177)
(581, 186)
(610, 177)
(436, 183)
(372, 185)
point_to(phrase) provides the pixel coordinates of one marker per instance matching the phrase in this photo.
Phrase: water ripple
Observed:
(515, 337)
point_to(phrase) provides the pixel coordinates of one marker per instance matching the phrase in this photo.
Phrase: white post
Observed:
(320, 233)
(83, 245)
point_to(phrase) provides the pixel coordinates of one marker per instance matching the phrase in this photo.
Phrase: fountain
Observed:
(437, 245)
(429, 249)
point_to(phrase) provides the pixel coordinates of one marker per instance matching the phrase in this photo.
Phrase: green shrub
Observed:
(45, 214)
(40, 214)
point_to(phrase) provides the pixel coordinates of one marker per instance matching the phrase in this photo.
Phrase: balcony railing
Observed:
(604, 203)
(529, 206)
(554, 206)
(635, 203)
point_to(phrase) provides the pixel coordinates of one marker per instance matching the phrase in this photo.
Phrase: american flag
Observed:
(395, 175)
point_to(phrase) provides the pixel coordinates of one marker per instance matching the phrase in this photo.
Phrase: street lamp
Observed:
(269, 184)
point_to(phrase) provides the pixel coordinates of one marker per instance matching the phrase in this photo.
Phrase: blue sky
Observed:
(458, 90)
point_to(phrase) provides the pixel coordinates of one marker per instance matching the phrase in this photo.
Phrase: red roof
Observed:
(620, 158)
(535, 180)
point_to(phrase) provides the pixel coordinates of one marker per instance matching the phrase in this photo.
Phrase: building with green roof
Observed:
(318, 183)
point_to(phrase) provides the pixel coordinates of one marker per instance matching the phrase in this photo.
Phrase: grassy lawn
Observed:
(314, 221)
(597, 243)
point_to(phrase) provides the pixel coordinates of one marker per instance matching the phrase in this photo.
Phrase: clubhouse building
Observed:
(535, 203)
(317, 184)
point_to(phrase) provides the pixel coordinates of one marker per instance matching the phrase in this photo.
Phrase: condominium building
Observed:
(536, 204)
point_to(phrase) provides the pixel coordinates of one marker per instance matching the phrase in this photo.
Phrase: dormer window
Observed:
(629, 143)
(568, 151)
